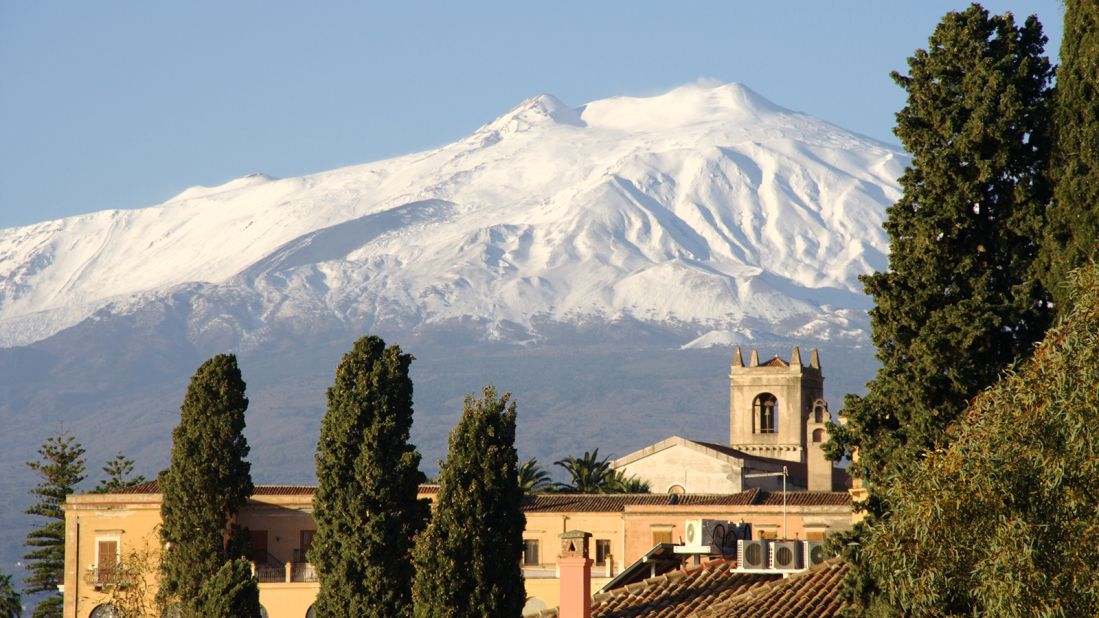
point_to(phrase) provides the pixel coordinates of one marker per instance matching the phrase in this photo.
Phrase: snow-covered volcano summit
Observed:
(707, 207)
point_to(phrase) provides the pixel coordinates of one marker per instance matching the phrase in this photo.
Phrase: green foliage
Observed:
(207, 481)
(533, 478)
(11, 605)
(50, 607)
(60, 468)
(960, 300)
(232, 592)
(119, 473)
(467, 561)
(366, 508)
(1073, 216)
(622, 484)
(588, 474)
(1004, 521)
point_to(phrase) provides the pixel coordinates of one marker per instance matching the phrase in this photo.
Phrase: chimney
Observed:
(575, 567)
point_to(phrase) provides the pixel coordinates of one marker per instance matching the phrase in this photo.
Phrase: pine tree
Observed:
(232, 592)
(959, 301)
(467, 561)
(11, 605)
(366, 505)
(207, 481)
(119, 473)
(60, 467)
(1072, 233)
(1003, 522)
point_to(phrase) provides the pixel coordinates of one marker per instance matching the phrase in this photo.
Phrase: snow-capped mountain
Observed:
(707, 207)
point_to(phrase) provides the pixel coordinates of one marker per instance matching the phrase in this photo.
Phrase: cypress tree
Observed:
(467, 561)
(366, 505)
(232, 592)
(60, 467)
(959, 301)
(1073, 229)
(207, 481)
(120, 475)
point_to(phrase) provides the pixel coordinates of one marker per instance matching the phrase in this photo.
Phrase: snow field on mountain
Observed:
(707, 205)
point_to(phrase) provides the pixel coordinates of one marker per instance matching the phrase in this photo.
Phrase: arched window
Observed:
(310, 613)
(105, 611)
(677, 489)
(820, 412)
(262, 611)
(818, 435)
(765, 409)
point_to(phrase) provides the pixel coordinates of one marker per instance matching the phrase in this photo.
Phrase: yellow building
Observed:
(106, 533)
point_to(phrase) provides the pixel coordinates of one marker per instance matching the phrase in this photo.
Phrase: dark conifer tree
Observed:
(60, 468)
(1073, 228)
(120, 475)
(366, 505)
(467, 561)
(232, 592)
(11, 605)
(207, 481)
(960, 300)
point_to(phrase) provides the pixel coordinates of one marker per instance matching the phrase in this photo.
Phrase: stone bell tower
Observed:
(777, 411)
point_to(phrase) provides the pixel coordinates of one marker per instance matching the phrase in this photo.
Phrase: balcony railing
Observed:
(102, 576)
(288, 573)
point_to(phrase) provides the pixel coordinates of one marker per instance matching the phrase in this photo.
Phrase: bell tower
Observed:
(777, 411)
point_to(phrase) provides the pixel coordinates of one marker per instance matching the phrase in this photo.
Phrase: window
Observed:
(602, 551)
(814, 535)
(310, 613)
(304, 546)
(677, 489)
(530, 552)
(105, 611)
(819, 413)
(259, 546)
(818, 435)
(106, 561)
(765, 408)
(662, 536)
(768, 534)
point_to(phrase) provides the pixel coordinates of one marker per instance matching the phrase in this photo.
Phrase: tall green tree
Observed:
(366, 505)
(232, 592)
(120, 475)
(60, 468)
(11, 604)
(1003, 522)
(467, 561)
(960, 300)
(1072, 233)
(206, 483)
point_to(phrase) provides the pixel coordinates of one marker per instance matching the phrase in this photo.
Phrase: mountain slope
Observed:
(707, 207)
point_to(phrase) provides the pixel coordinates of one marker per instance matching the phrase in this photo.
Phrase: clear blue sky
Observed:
(124, 104)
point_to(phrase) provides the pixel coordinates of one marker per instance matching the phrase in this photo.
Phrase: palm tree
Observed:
(628, 485)
(588, 473)
(533, 478)
(11, 605)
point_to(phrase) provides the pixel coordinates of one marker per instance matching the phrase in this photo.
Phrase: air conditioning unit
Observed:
(705, 533)
(814, 553)
(786, 555)
(751, 555)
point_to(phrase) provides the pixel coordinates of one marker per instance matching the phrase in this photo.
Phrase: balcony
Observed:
(285, 573)
(100, 577)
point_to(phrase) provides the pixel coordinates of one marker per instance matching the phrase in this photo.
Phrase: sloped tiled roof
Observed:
(715, 590)
(604, 503)
(675, 594)
(812, 594)
(153, 487)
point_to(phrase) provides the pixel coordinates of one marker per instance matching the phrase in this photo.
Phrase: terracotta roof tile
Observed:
(812, 594)
(604, 503)
(153, 487)
(678, 594)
